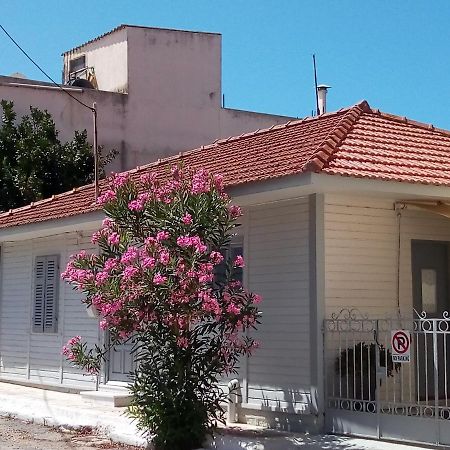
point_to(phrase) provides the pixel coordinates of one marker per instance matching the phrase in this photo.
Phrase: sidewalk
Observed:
(61, 409)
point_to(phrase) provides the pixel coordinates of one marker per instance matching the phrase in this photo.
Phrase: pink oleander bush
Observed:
(156, 284)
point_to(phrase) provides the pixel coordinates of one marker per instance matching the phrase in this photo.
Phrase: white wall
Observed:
(109, 57)
(361, 240)
(36, 357)
(277, 254)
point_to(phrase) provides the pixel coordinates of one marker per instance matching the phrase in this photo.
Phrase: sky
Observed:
(394, 54)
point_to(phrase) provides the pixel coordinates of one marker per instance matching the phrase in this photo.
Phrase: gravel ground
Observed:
(18, 435)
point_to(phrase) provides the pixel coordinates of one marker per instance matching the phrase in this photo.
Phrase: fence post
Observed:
(378, 380)
(436, 379)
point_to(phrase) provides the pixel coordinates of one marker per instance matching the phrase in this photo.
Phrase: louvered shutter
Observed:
(45, 314)
(39, 294)
(51, 295)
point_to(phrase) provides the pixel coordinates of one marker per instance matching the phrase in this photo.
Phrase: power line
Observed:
(43, 71)
(92, 108)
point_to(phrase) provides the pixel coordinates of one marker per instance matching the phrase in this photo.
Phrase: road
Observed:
(18, 435)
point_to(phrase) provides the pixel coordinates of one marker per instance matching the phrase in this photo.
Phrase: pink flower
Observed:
(103, 324)
(192, 241)
(233, 309)
(111, 264)
(257, 299)
(187, 219)
(114, 239)
(159, 279)
(235, 211)
(175, 172)
(162, 236)
(130, 272)
(148, 178)
(182, 342)
(200, 182)
(218, 182)
(164, 258)
(120, 179)
(101, 277)
(107, 223)
(135, 205)
(130, 255)
(96, 236)
(75, 340)
(148, 263)
(216, 257)
(106, 197)
(239, 261)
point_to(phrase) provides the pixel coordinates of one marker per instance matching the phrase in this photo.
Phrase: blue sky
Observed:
(395, 54)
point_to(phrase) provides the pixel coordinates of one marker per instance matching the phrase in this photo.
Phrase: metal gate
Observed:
(367, 394)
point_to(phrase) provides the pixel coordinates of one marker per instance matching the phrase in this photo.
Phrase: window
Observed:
(429, 291)
(235, 248)
(45, 311)
(77, 64)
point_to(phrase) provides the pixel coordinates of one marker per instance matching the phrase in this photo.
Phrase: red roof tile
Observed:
(355, 142)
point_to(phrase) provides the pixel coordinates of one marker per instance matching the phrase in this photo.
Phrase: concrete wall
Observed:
(173, 80)
(109, 57)
(36, 357)
(113, 112)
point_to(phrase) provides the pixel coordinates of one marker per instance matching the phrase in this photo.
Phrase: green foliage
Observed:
(34, 164)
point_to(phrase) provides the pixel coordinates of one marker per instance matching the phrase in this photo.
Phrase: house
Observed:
(346, 232)
(157, 92)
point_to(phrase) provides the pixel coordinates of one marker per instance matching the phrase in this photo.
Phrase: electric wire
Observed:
(43, 71)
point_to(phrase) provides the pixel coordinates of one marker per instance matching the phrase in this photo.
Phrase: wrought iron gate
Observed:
(369, 395)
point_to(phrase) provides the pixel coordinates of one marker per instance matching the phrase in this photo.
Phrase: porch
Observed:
(386, 268)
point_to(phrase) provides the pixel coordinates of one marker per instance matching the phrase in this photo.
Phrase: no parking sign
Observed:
(401, 346)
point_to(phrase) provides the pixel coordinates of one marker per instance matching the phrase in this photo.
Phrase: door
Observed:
(430, 295)
(121, 363)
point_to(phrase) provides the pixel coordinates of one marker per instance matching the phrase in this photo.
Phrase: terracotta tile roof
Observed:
(355, 142)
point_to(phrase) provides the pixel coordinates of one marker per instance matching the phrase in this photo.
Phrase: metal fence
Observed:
(362, 380)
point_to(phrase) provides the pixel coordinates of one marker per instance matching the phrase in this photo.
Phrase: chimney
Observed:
(322, 90)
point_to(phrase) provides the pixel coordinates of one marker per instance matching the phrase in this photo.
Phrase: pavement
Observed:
(69, 411)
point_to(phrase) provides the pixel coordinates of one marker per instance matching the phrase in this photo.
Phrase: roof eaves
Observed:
(329, 145)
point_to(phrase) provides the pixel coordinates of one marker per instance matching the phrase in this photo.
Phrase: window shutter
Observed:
(51, 295)
(46, 295)
(39, 288)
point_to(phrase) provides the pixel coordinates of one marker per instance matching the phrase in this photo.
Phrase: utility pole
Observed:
(94, 116)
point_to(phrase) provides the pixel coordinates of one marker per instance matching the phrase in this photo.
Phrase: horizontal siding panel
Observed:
(361, 238)
(278, 269)
(18, 346)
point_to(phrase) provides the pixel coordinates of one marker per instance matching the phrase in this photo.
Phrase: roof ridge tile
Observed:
(335, 137)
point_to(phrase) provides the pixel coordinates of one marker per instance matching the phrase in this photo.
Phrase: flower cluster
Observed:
(161, 246)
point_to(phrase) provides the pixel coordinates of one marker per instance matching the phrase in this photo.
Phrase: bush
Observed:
(154, 284)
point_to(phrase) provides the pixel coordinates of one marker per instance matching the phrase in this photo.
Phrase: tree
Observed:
(34, 164)
(154, 283)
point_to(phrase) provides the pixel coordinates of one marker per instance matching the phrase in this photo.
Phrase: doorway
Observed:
(431, 301)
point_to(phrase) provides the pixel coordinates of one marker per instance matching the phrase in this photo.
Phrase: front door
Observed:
(430, 295)
(120, 363)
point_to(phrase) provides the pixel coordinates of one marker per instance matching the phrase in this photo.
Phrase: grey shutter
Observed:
(39, 295)
(51, 295)
(45, 313)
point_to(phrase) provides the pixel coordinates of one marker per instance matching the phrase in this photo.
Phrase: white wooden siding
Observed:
(361, 240)
(37, 356)
(277, 258)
